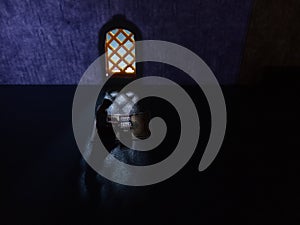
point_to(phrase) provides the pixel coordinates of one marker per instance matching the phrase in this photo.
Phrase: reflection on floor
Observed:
(248, 182)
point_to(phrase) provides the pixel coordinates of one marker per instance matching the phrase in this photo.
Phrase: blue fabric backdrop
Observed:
(53, 42)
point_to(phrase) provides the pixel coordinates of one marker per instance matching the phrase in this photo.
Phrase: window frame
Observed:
(110, 52)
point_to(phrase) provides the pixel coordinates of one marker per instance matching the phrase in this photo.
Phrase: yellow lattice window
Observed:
(120, 52)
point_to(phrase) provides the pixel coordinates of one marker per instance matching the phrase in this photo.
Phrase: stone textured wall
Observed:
(53, 42)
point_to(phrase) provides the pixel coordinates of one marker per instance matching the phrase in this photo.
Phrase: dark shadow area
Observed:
(272, 40)
(250, 182)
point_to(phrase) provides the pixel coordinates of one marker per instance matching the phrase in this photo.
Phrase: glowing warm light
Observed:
(120, 52)
(129, 70)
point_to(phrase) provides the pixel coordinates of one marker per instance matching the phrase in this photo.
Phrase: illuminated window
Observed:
(120, 52)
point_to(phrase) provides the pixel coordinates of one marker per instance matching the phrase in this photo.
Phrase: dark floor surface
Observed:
(252, 181)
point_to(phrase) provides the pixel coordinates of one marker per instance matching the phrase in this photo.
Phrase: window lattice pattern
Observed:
(120, 52)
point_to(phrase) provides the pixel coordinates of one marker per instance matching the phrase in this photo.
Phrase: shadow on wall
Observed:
(272, 46)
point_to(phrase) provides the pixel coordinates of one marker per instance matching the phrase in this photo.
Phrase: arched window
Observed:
(120, 52)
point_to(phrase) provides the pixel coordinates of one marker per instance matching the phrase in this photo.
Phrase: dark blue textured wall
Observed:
(53, 42)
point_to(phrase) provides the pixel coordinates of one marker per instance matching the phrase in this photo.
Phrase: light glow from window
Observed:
(120, 52)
